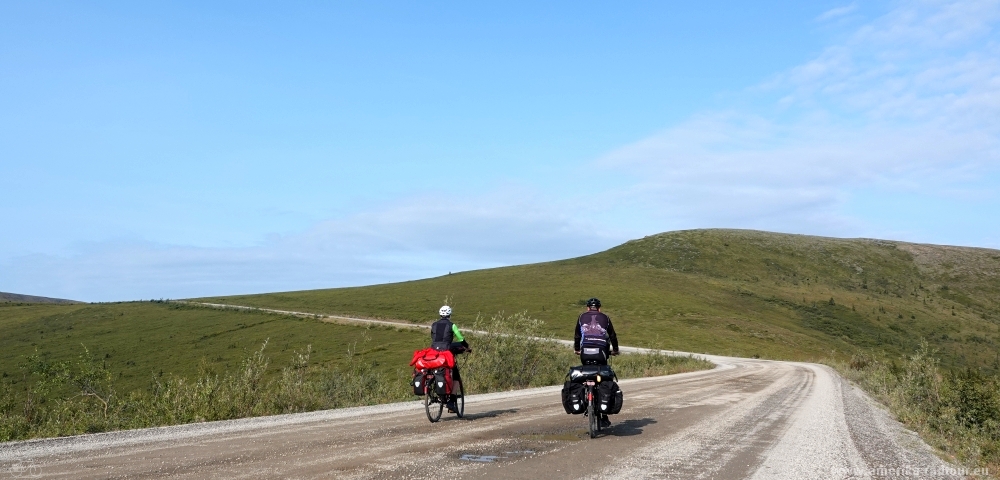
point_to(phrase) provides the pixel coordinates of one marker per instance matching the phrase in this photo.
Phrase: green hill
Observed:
(18, 298)
(733, 292)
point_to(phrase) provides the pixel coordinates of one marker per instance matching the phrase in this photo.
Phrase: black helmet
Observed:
(593, 303)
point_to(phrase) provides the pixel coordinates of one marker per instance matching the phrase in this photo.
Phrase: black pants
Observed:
(456, 350)
(589, 358)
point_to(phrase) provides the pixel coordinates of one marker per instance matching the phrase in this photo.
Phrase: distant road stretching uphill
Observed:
(744, 419)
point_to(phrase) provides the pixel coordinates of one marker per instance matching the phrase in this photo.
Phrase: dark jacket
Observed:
(444, 333)
(594, 329)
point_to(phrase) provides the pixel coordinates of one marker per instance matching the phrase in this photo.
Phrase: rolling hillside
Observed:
(732, 292)
(18, 298)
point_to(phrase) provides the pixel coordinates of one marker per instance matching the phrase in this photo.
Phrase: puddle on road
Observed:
(505, 450)
(492, 458)
(559, 434)
(573, 436)
(479, 458)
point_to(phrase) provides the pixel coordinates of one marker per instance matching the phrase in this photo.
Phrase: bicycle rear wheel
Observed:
(433, 406)
(593, 425)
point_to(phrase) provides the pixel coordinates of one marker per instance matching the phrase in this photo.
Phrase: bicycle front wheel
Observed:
(460, 400)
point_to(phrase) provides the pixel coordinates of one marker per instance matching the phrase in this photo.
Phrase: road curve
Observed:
(743, 419)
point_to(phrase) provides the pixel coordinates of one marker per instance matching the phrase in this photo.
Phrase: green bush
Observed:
(70, 398)
(956, 411)
(652, 364)
(515, 353)
(512, 354)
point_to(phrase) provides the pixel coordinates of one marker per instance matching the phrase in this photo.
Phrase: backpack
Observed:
(573, 398)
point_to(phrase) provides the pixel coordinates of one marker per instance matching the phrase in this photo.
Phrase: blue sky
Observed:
(178, 150)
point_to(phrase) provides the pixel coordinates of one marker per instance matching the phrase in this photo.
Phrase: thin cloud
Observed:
(879, 111)
(837, 12)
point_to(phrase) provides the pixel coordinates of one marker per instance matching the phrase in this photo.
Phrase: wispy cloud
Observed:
(909, 102)
(837, 12)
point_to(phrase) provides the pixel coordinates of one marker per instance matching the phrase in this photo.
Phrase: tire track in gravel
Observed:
(723, 443)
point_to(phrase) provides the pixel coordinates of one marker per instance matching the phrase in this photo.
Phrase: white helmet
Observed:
(445, 311)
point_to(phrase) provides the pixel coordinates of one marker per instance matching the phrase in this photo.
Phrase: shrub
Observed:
(957, 411)
(654, 363)
(513, 353)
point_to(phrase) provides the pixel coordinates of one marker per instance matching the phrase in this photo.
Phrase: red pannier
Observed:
(428, 359)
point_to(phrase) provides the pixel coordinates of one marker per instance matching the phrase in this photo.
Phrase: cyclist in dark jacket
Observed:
(594, 339)
(444, 334)
(594, 331)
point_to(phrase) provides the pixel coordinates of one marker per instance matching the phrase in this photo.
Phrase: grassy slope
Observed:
(141, 339)
(18, 298)
(725, 291)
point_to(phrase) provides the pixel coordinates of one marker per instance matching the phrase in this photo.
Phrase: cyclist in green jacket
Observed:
(445, 336)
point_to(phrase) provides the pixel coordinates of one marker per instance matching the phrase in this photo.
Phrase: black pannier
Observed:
(573, 398)
(619, 398)
(418, 383)
(610, 398)
(442, 381)
(583, 373)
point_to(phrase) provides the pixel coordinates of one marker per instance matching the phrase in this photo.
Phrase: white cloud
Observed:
(925, 61)
(909, 102)
(837, 12)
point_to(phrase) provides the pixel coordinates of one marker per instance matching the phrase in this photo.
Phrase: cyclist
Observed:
(594, 339)
(444, 335)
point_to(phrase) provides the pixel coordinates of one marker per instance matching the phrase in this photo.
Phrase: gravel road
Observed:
(744, 419)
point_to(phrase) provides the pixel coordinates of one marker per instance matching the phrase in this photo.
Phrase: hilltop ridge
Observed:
(16, 297)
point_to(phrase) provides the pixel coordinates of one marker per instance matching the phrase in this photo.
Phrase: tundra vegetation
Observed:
(727, 292)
